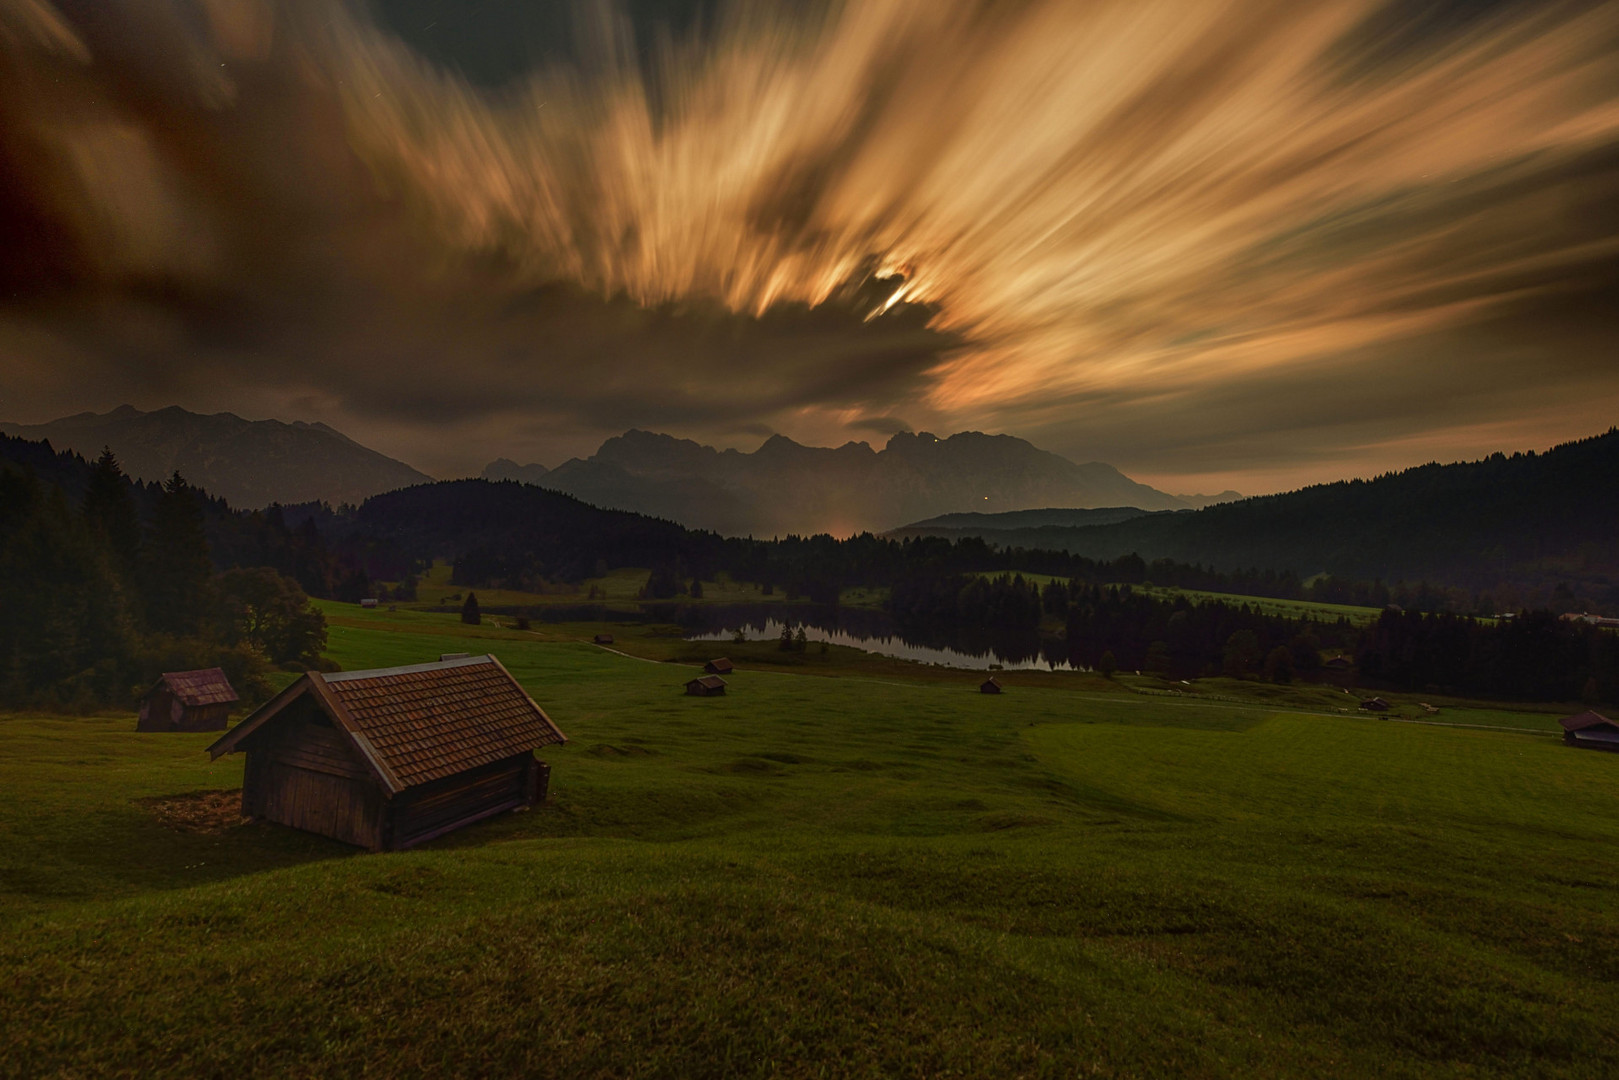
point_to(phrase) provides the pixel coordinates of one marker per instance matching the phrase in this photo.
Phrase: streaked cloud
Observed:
(1201, 239)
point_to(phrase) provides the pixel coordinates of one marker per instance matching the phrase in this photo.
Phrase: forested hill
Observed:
(507, 531)
(1523, 522)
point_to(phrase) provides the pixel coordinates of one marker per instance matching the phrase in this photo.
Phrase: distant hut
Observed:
(393, 757)
(603, 639)
(706, 686)
(369, 602)
(1375, 704)
(187, 701)
(1338, 664)
(1590, 731)
(991, 685)
(722, 666)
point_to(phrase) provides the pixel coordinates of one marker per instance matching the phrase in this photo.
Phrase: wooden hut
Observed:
(991, 685)
(706, 686)
(603, 639)
(187, 701)
(1375, 704)
(722, 666)
(390, 758)
(1590, 731)
(1338, 665)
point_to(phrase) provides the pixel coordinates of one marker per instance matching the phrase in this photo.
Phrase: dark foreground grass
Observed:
(835, 877)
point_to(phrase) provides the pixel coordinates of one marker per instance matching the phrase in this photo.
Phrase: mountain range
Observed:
(1534, 520)
(252, 463)
(785, 487)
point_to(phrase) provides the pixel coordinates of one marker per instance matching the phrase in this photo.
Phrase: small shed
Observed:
(392, 757)
(991, 685)
(1375, 704)
(722, 666)
(1338, 664)
(706, 686)
(603, 639)
(369, 602)
(1590, 731)
(187, 701)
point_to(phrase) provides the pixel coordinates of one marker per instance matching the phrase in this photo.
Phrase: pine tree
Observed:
(176, 578)
(469, 610)
(109, 509)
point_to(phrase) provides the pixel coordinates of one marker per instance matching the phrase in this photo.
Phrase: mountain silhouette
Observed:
(251, 463)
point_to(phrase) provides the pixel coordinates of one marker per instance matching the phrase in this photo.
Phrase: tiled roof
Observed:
(206, 687)
(1586, 719)
(710, 682)
(434, 720)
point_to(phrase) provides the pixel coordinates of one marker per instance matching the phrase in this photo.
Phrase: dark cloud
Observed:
(1253, 239)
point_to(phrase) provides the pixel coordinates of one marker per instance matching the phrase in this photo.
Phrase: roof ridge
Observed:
(408, 669)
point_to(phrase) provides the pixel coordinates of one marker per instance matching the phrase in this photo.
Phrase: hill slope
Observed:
(1524, 519)
(785, 487)
(251, 463)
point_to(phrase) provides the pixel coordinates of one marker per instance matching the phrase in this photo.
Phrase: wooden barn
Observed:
(991, 685)
(187, 701)
(393, 757)
(721, 666)
(1590, 731)
(706, 686)
(1375, 704)
(603, 639)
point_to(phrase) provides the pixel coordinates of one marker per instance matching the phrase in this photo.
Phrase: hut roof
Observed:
(1584, 720)
(205, 687)
(990, 683)
(719, 667)
(708, 682)
(421, 722)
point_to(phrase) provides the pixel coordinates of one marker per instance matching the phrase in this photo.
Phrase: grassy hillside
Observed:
(864, 875)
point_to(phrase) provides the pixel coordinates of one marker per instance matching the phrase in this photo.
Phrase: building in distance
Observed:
(1590, 730)
(706, 686)
(187, 701)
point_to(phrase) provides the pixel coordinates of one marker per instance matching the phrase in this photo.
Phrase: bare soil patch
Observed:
(206, 812)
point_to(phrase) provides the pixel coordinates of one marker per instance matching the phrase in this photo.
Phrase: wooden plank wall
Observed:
(304, 774)
(434, 809)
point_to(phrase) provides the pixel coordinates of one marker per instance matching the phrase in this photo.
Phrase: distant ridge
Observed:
(507, 469)
(785, 487)
(1496, 526)
(251, 463)
(974, 522)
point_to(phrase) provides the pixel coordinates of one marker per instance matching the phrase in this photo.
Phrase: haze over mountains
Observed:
(1531, 521)
(252, 463)
(785, 487)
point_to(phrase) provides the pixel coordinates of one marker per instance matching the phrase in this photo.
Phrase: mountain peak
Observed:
(787, 487)
(249, 463)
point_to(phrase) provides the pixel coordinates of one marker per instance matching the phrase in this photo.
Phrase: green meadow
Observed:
(848, 866)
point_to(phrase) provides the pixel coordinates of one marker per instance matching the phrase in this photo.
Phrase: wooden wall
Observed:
(302, 772)
(421, 813)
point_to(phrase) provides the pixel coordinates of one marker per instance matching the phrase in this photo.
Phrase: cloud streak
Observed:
(1108, 218)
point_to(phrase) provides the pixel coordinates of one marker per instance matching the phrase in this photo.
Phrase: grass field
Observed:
(836, 870)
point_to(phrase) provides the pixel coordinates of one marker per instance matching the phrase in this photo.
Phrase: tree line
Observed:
(101, 594)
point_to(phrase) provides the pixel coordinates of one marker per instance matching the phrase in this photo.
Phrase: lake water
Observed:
(856, 628)
(875, 633)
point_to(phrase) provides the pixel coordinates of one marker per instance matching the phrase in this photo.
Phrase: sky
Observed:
(1219, 244)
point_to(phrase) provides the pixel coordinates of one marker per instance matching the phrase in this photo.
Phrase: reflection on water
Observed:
(874, 632)
(857, 628)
